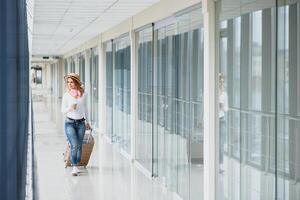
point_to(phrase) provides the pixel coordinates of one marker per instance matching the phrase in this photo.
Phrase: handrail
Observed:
(264, 113)
(31, 192)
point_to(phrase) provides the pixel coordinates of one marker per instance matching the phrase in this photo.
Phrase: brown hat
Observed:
(74, 76)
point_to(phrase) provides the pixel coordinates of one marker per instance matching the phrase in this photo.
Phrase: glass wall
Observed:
(288, 101)
(72, 65)
(94, 71)
(178, 105)
(258, 82)
(65, 67)
(53, 82)
(82, 67)
(121, 109)
(109, 88)
(143, 149)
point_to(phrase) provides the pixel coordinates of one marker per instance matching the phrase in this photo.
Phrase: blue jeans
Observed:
(75, 130)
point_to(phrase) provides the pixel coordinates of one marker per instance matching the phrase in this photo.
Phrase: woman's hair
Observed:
(221, 77)
(221, 80)
(78, 85)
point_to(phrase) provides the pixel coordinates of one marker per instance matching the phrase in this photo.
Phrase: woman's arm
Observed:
(86, 112)
(65, 108)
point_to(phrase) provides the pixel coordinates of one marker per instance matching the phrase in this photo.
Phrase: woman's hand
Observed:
(74, 106)
(88, 126)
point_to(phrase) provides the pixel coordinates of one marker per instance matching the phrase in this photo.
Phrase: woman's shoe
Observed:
(74, 171)
(77, 170)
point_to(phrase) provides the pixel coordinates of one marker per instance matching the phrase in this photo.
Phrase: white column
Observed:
(53, 76)
(134, 92)
(48, 76)
(102, 89)
(45, 76)
(56, 78)
(60, 77)
(64, 73)
(88, 66)
(210, 100)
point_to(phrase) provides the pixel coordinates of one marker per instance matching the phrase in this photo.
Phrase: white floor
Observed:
(109, 175)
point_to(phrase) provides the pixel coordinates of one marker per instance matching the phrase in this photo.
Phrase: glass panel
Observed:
(144, 133)
(288, 101)
(121, 116)
(72, 65)
(94, 86)
(178, 111)
(246, 100)
(65, 67)
(82, 68)
(195, 118)
(109, 88)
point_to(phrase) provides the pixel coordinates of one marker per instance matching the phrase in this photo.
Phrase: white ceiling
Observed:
(61, 25)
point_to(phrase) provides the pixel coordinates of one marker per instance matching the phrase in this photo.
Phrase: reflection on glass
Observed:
(94, 87)
(223, 109)
(72, 65)
(288, 106)
(236, 62)
(261, 161)
(256, 60)
(82, 67)
(121, 111)
(178, 110)
(38, 73)
(65, 67)
(109, 88)
(145, 72)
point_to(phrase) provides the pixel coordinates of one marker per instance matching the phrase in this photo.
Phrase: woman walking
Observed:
(74, 106)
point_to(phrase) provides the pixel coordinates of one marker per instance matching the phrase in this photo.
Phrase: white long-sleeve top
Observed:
(81, 110)
(223, 104)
